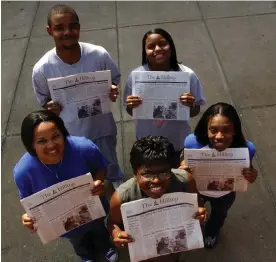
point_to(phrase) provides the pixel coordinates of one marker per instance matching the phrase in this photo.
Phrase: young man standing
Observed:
(71, 57)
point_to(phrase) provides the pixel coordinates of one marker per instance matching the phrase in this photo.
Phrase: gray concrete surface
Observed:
(231, 47)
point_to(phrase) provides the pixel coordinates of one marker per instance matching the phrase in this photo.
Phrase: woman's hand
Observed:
(201, 214)
(122, 239)
(133, 101)
(187, 99)
(114, 92)
(98, 189)
(28, 222)
(250, 174)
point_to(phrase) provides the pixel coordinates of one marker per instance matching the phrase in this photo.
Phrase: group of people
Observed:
(58, 150)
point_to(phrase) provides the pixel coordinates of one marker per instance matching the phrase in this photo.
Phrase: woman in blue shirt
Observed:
(54, 156)
(220, 128)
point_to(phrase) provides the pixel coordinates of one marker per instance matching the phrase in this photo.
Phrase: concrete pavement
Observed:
(231, 47)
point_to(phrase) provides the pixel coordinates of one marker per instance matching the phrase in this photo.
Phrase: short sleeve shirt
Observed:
(175, 131)
(80, 157)
(93, 58)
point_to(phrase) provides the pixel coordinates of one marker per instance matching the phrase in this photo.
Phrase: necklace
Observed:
(60, 163)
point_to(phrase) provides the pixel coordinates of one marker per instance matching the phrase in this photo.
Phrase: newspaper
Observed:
(218, 171)
(82, 95)
(162, 226)
(63, 207)
(160, 92)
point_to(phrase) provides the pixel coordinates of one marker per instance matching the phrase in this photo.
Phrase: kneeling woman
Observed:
(151, 158)
(54, 156)
(220, 128)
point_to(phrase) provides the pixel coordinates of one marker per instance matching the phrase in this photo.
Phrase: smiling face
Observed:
(48, 143)
(158, 49)
(154, 180)
(220, 132)
(65, 29)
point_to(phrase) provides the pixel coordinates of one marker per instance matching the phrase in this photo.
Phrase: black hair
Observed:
(32, 120)
(61, 9)
(173, 61)
(150, 150)
(224, 109)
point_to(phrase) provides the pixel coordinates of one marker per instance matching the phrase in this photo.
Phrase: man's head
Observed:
(63, 26)
(151, 159)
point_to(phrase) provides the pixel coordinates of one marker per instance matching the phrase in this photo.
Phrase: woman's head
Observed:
(43, 134)
(151, 159)
(220, 127)
(158, 49)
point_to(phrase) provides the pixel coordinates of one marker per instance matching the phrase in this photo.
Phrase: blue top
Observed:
(192, 143)
(80, 157)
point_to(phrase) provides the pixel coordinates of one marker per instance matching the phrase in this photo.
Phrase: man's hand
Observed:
(201, 214)
(54, 107)
(113, 94)
(98, 189)
(133, 101)
(28, 222)
(122, 239)
(187, 99)
(250, 174)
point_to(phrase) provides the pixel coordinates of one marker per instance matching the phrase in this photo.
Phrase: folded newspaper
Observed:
(160, 92)
(82, 95)
(63, 207)
(218, 171)
(162, 226)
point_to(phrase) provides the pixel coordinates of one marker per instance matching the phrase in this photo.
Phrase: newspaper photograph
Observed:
(218, 171)
(162, 226)
(160, 92)
(82, 95)
(63, 207)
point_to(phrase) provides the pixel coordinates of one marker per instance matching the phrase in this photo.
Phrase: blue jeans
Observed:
(107, 146)
(220, 207)
(89, 244)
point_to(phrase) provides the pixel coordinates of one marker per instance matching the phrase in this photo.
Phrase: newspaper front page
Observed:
(160, 92)
(82, 95)
(63, 207)
(162, 226)
(218, 171)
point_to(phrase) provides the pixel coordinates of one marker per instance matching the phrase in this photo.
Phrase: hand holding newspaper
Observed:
(63, 207)
(82, 95)
(162, 226)
(218, 171)
(161, 92)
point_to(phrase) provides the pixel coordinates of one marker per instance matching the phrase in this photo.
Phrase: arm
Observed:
(115, 222)
(96, 163)
(25, 190)
(109, 64)
(197, 92)
(42, 92)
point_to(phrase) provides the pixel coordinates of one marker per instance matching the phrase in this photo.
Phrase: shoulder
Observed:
(191, 142)
(251, 148)
(179, 181)
(23, 166)
(92, 49)
(43, 62)
(81, 143)
(142, 68)
(187, 69)
(124, 190)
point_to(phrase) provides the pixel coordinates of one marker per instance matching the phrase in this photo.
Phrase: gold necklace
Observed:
(51, 170)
